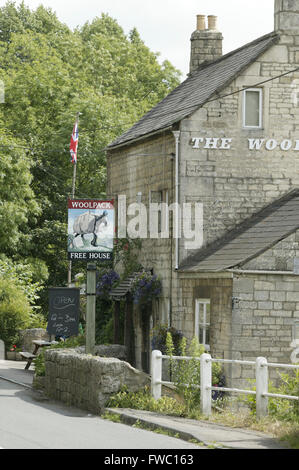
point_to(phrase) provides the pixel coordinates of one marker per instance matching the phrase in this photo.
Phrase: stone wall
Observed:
(141, 168)
(28, 336)
(219, 290)
(87, 381)
(265, 309)
(236, 182)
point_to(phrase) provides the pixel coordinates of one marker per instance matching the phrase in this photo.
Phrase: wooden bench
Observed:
(29, 357)
(37, 344)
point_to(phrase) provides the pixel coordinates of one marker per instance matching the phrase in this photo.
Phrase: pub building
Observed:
(227, 138)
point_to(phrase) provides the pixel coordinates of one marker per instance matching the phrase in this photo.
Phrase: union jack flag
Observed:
(74, 143)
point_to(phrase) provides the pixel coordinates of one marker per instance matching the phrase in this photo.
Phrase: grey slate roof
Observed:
(251, 238)
(196, 90)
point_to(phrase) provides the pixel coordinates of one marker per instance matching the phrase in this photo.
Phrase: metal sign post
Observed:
(90, 308)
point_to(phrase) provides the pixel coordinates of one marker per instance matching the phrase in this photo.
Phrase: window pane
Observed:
(201, 339)
(208, 314)
(202, 321)
(252, 108)
(201, 313)
(208, 336)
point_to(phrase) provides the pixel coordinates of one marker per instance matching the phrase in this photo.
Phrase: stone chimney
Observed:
(286, 16)
(206, 42)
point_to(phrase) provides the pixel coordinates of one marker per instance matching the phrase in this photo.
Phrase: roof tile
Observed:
(251, 238)
(196, 90)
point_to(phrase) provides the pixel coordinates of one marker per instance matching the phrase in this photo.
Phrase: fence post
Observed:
(156, 366)
(205, 384)
(261, 387)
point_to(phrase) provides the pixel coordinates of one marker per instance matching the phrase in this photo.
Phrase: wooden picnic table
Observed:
(37, 344)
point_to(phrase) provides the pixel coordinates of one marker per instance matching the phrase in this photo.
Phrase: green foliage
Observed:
(18, 206)
(185, 373)
(15, 312)
(126, 255)
(281, 408)
(169, 344)
(50, 73)
(107, 278)
(28, 276)
(159, 339)
(142, 400)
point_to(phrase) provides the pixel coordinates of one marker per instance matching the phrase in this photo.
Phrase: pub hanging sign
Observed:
(90, 229)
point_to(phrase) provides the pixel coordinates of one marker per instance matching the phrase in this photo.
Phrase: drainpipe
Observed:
(177, 141)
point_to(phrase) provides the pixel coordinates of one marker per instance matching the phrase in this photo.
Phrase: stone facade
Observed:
(234, 172)
(140, 169)
(265, 308)
(217, 288)
(236, 182)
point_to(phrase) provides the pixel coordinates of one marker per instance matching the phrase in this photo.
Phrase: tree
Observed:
(51, 73)
(17, 202)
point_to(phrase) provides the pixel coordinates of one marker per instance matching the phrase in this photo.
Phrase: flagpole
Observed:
(74, 180)
(69, 281)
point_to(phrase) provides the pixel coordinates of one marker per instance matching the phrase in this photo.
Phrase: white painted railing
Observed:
(261, 375)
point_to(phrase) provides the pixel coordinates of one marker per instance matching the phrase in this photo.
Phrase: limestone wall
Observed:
(265, 309)
(141, 168)
(219, 290)
(87, 381)
(233, 180)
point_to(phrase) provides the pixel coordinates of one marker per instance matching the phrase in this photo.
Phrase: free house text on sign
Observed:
(90, 229)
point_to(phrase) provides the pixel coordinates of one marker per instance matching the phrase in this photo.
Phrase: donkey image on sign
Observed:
(89, 223)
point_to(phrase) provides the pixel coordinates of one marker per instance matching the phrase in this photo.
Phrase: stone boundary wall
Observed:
(86, 381)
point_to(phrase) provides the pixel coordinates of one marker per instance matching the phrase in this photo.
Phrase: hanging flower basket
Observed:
(106, 281)
(145, 288)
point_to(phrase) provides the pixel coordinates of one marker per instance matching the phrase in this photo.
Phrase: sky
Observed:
(166, 25)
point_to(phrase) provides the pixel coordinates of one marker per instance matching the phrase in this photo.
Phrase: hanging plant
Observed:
(106, 281)
(126, 255)
(145, 288)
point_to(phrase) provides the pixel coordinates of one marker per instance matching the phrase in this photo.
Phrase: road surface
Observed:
(29, 422)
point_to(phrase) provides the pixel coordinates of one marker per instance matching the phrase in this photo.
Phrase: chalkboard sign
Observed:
(63, 319)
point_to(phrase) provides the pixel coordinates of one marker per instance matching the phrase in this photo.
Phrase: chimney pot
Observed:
(206, 43)
(212, 23)
(201, 22)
